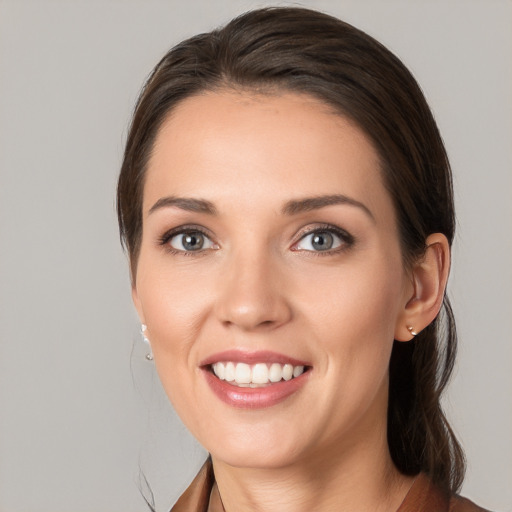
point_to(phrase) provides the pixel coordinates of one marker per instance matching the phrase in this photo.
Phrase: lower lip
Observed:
(254, 398)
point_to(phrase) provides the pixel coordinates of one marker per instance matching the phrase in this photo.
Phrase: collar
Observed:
(203, 496)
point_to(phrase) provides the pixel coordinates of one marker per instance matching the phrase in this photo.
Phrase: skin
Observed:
(258, 284)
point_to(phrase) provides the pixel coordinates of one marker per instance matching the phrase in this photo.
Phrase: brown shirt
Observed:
(203, 496)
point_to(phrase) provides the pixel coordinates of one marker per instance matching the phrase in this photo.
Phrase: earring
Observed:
(145, 339)
(412, 331)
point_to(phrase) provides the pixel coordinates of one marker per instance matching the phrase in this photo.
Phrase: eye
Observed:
(323, 240)
(190, 241)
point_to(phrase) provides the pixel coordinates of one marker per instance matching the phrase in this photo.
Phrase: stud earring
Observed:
(412, 331)
(145, 339)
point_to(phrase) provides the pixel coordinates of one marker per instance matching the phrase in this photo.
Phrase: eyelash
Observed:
(347, 240)
(182, 230)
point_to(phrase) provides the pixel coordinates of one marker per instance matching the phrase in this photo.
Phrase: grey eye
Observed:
(192, 241)
(319, 241)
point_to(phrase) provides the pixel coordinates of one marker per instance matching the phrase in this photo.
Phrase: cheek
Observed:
(364, 296)
(172, 302)
(353, 311)
(352, 315)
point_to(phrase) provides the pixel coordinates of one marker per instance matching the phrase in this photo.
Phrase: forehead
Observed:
(244, 147)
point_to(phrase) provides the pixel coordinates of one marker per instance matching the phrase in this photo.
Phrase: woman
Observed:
(286, 202)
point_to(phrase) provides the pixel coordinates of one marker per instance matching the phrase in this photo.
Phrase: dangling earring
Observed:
(412, 331)
(145, 339)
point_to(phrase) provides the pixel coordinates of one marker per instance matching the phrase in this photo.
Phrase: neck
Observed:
(358, 477)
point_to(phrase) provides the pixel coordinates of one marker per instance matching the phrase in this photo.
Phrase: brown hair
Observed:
(300, 50)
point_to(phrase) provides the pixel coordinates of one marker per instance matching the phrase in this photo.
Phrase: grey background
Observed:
(80, 408)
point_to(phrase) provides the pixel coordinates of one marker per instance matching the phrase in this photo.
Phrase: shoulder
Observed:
(460, 504)
(425, 496)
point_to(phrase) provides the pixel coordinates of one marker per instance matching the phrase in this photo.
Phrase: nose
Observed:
(253, 295)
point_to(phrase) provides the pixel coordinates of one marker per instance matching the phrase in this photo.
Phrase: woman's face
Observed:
(270, 249)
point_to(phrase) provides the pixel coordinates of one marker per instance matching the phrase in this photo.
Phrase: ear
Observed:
(429, 276)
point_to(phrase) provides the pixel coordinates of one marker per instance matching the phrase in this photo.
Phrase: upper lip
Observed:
(252, 357)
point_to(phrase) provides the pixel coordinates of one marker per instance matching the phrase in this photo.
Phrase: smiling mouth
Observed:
(257, 375)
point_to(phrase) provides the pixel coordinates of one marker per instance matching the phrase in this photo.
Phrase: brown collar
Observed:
(424, 496)
(203, 496)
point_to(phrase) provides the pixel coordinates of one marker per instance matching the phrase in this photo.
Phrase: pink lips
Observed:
(242, 356)
(253, 398)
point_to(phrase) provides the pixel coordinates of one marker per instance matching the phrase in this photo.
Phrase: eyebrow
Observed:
(185, 203)
(292, 207)
(308, 204)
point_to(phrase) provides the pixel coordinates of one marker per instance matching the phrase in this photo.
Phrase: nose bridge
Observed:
(252, 296)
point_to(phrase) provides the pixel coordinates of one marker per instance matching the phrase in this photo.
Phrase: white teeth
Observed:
(229, 374)
(220, 370)
(298, 370)
(260, 374)
(287, 371)
(275, 373)
(245, 375)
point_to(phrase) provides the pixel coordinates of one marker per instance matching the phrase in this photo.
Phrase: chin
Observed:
(258, 450)
(253, 458)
